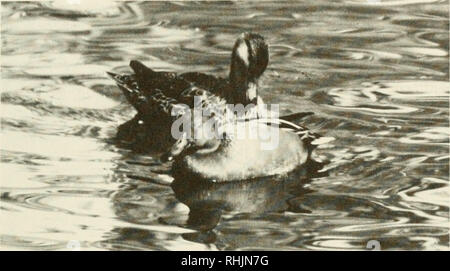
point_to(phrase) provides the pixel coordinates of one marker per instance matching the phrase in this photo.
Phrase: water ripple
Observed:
(375, 73)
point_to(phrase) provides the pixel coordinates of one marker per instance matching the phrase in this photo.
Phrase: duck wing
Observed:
(148, 80)
(173, 84)
(145, 104)
(206, 81)
(159, 106)
(153, 88)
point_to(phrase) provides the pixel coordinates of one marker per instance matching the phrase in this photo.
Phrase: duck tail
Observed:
(141, 71)
(130, 89)
(118, 78)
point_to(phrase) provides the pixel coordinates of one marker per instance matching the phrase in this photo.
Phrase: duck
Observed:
(207, 201)
(153, 93)
(284, 148)
(216, 153)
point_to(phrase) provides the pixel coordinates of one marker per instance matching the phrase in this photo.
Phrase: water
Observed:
(376, 74)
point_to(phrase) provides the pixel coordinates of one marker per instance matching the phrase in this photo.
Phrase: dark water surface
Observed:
(376, 74)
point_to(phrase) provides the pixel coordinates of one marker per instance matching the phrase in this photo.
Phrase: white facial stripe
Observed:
(242, 52)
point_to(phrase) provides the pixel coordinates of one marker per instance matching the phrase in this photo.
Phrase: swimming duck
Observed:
(153, 93)
(222, 157)
(286, 147)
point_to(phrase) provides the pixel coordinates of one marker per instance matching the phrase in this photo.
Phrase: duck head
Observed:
(249, 60)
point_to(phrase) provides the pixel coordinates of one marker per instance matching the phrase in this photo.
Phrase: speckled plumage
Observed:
(156, 95)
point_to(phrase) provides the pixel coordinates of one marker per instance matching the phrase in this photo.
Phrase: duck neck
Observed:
(251, 93)
(242, 91)
(244, 87)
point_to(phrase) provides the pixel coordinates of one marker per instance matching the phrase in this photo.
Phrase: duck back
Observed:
(245, 158)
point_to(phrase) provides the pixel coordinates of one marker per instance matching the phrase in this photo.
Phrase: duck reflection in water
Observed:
(156, 206)
(209, 201)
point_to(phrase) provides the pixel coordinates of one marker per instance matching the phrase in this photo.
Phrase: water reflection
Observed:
(208, 200)
(375, 73)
